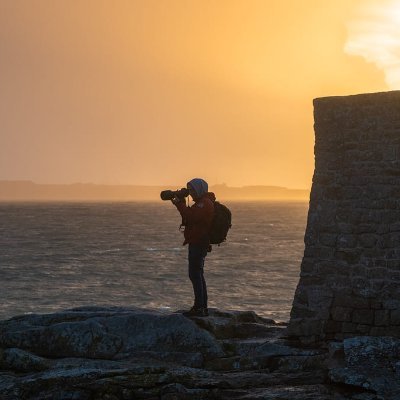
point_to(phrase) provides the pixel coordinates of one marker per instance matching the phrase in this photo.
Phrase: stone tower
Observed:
(350, 273)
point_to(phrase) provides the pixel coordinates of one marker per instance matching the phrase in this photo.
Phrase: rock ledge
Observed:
(131, 353)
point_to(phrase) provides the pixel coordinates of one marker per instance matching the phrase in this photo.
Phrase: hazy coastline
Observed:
(29, 191)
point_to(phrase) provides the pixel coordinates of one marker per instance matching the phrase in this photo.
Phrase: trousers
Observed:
(196, 257)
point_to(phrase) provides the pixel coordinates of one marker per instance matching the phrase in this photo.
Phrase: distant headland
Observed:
(30, 191)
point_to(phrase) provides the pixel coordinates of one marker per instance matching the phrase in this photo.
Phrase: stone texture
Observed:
(112, 333)
(210, 358)
(370, 363)
(353, 236)
(22, 361)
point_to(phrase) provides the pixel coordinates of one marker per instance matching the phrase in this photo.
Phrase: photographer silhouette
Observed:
(197, 221)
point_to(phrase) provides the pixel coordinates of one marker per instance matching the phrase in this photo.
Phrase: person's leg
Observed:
(205, 296)
(196, 275)
(203, 281)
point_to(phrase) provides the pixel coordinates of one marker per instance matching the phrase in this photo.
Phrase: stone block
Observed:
(349, 327)
(363, 329)
(332, 326)
(308, 340)
(346, 241)
(380, 263)
(344, 227)
(365, 229)
(327, 239)
(313, 327)
(382, 229)
(339, 336)
(389, 154)
(378, 331)
(363, 316)
(319, 297)
(348, 335)
(310, 252)
(361, 283)
(351, 301)
(341, 313)
(393, 264)
(378, 285)
(390, 240)
(382, 317)
(332, 268)
(349, 256)
(367, 240)
(338, 281)
(329, 336)
(309, 327)
(334, 192)
(302, 312)
(367, 260)
(391, 304)
(395, 317)
(376, 304)
(394, 276)
(309, 266)
(395, 227)
(295, 327)
(376, 273)
(359, 270)
(325, 253)
(311, 280)
(393, 331)
(322, 178)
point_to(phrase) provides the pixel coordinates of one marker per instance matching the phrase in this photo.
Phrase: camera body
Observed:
(171, 194)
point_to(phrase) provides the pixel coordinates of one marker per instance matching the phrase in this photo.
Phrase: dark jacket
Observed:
(197, 219)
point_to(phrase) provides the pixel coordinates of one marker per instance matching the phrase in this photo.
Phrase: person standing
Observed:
(197, 221)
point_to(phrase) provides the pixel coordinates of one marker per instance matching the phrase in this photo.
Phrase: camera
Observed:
(170, 194)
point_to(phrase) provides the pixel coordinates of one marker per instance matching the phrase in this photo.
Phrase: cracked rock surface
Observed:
(130, 353)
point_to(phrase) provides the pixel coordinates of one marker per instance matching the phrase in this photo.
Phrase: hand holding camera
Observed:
(175, 196)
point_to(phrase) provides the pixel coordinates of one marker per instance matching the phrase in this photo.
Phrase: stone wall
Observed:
(350, 274)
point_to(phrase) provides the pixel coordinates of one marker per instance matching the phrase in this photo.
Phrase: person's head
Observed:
(197, 188)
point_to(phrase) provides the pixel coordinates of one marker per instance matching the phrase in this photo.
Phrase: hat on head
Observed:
(200, 186)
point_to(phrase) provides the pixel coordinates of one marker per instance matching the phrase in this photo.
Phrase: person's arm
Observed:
(195, 214)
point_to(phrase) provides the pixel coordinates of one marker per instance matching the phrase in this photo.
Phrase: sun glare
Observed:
(374, 34)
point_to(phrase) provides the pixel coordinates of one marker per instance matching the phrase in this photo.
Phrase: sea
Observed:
(57, 256)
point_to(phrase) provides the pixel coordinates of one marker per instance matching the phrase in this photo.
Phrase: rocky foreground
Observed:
(119, 353)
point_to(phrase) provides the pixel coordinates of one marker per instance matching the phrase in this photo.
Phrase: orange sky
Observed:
(158, 92)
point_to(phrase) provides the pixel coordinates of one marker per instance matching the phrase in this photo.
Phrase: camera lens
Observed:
(167, 195)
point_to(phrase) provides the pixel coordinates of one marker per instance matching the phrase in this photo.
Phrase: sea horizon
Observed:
(30, 191)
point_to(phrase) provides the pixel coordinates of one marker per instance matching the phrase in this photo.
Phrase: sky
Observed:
(156, 92)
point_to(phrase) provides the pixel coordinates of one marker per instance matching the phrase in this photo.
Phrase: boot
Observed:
(196, 312)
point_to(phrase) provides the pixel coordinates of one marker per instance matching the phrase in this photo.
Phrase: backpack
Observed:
(221, 223)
